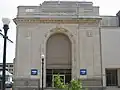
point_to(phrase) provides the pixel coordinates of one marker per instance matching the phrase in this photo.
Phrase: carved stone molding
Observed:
(55, 20)
(89, 33)
(57, 29)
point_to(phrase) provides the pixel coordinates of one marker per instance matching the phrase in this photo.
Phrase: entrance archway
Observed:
(58, 57)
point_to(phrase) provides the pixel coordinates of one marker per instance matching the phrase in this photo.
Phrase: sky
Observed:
(8, 8)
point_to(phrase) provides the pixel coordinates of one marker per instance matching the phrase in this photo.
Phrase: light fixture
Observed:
(42, 56)
(5, 21)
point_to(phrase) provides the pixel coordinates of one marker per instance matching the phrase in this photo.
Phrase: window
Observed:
(11, 65)
(111, 77)
(10, 69)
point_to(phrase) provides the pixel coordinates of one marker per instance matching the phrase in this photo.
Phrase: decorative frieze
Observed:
(53, 20)
(58, 30)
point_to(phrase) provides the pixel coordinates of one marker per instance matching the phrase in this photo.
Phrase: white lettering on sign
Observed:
(29, 10)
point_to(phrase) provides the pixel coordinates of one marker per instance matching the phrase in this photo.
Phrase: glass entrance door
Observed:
(65, 74)
(62, 77)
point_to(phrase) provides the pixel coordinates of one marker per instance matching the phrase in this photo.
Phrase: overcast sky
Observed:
(8, 8)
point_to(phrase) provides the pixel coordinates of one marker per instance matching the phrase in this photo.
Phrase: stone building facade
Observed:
(68, 33)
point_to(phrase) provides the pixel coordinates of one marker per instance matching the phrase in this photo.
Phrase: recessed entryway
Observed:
(58, 58)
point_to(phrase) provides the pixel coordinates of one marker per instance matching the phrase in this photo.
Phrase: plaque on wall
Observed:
(83, 72)
(34, 72)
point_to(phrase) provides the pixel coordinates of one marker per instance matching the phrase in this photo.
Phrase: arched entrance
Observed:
(58, 58)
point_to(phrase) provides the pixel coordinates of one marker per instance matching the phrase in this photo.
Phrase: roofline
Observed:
(68, 1)
(107, 16)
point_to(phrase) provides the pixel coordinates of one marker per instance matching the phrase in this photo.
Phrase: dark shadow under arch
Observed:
(58, 52)
(58, 57)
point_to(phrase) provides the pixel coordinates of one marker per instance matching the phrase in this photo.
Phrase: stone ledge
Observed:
(84, 88)
(91, 82)
(54, 20)
(26, 82)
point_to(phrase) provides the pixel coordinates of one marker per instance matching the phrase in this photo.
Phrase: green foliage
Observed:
(73, 85)
(59, 83)
(76, 85)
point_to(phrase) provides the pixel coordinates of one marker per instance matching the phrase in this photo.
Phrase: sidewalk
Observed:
(8, 88)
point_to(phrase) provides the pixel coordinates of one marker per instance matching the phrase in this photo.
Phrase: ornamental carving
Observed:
(62, 21)
(62, 30)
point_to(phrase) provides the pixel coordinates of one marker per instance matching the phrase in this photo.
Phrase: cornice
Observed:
(53, 20)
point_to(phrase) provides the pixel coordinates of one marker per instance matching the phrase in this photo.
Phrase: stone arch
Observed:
(62, 31)
(59, 30)
(73, 43)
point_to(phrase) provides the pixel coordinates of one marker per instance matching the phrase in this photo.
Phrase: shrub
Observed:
(76, 85)
(59, 83)
(73, 85)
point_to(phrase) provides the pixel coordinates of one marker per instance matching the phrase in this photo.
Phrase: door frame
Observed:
(53, 76)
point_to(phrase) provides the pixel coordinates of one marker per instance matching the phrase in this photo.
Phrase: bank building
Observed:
(75, 40)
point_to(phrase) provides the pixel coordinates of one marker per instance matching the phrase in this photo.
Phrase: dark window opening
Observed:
(111, 77)
(11, 65)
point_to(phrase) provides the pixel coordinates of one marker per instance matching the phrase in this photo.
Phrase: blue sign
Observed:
(83, 72)
(34, 72)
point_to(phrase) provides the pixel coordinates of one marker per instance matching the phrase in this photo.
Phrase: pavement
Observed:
(8, 88)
